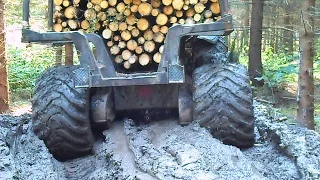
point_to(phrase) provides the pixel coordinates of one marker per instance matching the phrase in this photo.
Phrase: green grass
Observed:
(24, 67)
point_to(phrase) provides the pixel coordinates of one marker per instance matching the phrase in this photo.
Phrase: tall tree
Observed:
(287, 21)
(305, 113)
(255, 63)
(4, 94)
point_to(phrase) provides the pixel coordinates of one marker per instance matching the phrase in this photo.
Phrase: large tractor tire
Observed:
(222, 100)
(210, 49)
(60, 114)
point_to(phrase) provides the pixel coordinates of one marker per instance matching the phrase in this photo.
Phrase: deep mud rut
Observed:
(165, 150)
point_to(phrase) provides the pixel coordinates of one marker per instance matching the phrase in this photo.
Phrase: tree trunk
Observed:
(4, 87)
(305, 112)
(255, 64)
(288, 34)
(246, 22)
(69, 54)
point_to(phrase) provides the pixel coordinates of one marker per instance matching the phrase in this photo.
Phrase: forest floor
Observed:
(165, 150)
(284, 101)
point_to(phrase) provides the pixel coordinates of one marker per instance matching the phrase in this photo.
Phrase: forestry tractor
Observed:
(191, 73)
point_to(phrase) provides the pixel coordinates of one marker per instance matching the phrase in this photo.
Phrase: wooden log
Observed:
(122, 44)
(185, 7)
(118, 59)
(126, 65)
(215, 8)
(135, 32)
(166, 2)
(134, 8)
(73, 24)
(139, 50)
(123, 26)
(127, 12)
(95, 1)
(113, 26)
(144, 59)
(193, 1)
(168, 10)
(155, 28)
(164, 29)
(208, 14)
(132, 45)
(179, 14)
(144, 9)
(57, 27)
(116, 38)
(182, 21)
(131, 20)
(64, 24)
(161, 48)
(66, 3)
(142, 24)
(141, 40)
(189, 20)
(107, 33)
(104, 4)
(98, 26)
(90, 14)
(155, 3)
(111, 11)
(114, 50)
(119, 17)
(130, 27)
(89, 5)
(177, 4)
(102, 16)
(110, 43)
(162, 19)
(149, 46)
(173, 19)
(155, 12)
(126, 54)
(112, 2)
(148, 35)
(121, 7)
(199, 8)
(209, 20)
(136, 2)
(133, 59)
(57, 2)
(85, 24)
(127, 1)
(157, 57)
(197, 17)
(158, 37)
(70, 12)
(190, 12)
(97, 8)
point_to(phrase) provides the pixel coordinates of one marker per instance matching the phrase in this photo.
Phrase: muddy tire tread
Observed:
(60, 114)
(223, 103)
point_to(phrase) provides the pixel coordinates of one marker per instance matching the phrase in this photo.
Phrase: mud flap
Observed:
(102, 108)
(185, 106)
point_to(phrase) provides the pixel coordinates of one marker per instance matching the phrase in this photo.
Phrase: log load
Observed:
(134, 30)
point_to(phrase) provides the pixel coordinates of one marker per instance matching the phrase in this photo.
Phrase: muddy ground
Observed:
(165, 150)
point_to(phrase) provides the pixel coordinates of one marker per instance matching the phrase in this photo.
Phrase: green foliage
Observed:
(26, 64)
(278, 69)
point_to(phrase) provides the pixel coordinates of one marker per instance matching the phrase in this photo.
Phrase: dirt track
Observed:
(165, 150)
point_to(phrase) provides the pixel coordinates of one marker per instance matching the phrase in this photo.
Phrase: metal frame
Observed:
(98, 70)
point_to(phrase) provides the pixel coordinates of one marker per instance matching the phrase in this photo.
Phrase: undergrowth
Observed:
(24, 66)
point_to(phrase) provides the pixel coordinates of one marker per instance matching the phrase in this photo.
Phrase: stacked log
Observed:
(134, 30)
